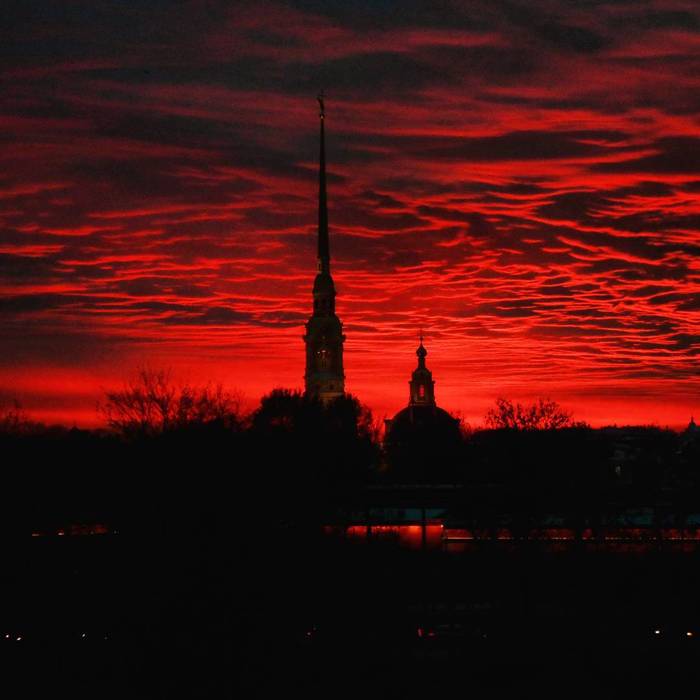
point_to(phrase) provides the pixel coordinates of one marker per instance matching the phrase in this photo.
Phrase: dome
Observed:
(421, 417)
(423, 442)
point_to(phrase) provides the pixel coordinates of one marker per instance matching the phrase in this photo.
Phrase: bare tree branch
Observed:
(543, 414)
(153, 403)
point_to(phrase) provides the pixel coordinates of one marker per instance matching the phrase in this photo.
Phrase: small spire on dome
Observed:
(421, 351)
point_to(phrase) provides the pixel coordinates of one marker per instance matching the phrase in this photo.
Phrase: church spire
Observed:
(324, 255)
(324, 337)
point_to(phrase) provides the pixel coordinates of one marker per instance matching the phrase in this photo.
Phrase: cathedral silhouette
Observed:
(324, 377)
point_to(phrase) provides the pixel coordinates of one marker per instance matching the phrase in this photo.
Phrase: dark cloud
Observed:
(35, 302)
(517, 145)
(679, 154)
(571, 37)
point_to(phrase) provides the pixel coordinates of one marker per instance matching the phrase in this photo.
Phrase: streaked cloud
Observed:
(521, 181)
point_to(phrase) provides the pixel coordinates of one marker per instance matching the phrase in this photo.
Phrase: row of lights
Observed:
(423, 633)
(430, 633)
(18, 638)
(310, 633)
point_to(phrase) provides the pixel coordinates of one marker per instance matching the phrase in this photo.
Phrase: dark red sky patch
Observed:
(521, 180)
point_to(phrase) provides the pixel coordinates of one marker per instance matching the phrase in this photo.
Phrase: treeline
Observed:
(189, 458)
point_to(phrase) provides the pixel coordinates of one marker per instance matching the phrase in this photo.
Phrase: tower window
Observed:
(421, 391)
(324, 358)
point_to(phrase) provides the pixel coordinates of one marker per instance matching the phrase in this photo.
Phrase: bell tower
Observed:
(324, 337)
(422, 385)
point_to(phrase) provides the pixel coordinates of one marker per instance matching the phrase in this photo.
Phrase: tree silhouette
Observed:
(13, 418)
(543, 414)
(311, 451)
(153, 403)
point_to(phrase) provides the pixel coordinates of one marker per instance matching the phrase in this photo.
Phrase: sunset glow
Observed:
(523, 184)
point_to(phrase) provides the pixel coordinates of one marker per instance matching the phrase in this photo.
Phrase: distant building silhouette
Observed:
(691, 435)
(324, 337)
(422, 442)
(422, 411)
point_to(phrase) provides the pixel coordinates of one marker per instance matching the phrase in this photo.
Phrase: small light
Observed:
(7, 636)
(83, 635)
(657, 631)
(19, 639)
(688, 634)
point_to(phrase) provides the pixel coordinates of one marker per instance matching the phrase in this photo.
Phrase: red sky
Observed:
(520, 179)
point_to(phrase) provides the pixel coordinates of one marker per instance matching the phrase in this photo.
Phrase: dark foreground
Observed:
(254, 613)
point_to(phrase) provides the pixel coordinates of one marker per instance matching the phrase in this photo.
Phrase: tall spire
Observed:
(324, 337)
(324, 255)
